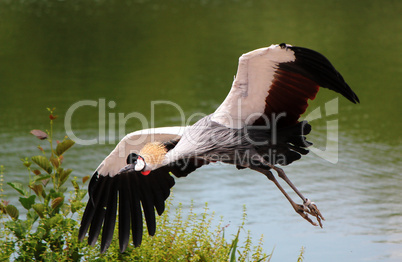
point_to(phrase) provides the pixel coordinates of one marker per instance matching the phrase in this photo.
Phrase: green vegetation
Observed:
(48, 231)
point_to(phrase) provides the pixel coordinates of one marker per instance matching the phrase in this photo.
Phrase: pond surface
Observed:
(118, 57)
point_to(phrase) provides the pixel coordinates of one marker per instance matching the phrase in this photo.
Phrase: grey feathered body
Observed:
(211, 141)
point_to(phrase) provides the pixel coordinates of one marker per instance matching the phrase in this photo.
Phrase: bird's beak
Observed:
(140, 164)
(127, 169)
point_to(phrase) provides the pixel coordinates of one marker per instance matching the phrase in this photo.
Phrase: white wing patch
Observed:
(246, 100)
(133, 143)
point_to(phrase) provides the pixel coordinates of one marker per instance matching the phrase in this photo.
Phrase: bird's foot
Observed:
(311, 208)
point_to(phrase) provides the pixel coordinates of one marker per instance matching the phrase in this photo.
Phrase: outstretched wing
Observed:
(133, 190)
(133, 143)
(278, 80)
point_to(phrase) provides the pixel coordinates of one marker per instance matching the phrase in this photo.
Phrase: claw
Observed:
(313, 210)
(303, 211)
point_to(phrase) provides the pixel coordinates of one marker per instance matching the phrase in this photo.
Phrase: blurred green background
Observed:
(57, 53)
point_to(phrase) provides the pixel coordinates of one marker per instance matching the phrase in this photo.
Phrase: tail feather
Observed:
(282, 146)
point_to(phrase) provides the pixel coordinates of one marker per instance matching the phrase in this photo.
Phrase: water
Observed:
(57, 53)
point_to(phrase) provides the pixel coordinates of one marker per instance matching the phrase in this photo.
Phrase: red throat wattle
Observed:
(145, 173)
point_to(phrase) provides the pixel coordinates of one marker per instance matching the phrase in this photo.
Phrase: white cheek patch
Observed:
(140, 164)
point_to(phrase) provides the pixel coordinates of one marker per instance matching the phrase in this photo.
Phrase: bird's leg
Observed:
(303, 210)
(311, 206)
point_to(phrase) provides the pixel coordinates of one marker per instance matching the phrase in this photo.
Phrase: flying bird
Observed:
(257, 126)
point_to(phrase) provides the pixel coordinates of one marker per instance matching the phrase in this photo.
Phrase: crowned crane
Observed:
(257, 126)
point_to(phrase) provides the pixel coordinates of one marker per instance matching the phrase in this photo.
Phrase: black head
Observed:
(135, 162)
(132, 158)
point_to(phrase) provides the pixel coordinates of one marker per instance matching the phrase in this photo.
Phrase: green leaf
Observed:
(55, 161)
(41, 232)
(18, 227)
(32, 216)
(64, 146)
(2, 208)
(40, 250)
(85, 179)
(57, 202)
(38, 189)
(64, 176)
(51, 222)
(54, 194)
(12, 211)
(75, 184)
(81, 193)
(233, 247)
(26, 163)
(76, 205)
(19, 187)
(41, 177)
(27, 202)
(39, 208)
(43, 162)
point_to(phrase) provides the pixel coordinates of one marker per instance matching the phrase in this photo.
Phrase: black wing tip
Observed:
(324, 73)
(102, 193)
(90, 208)
(351, 96)
(123, 246)
(346, 91)
(100, 212)
(138, 240)
(81, 234)
(355, 99)
(103, 250)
